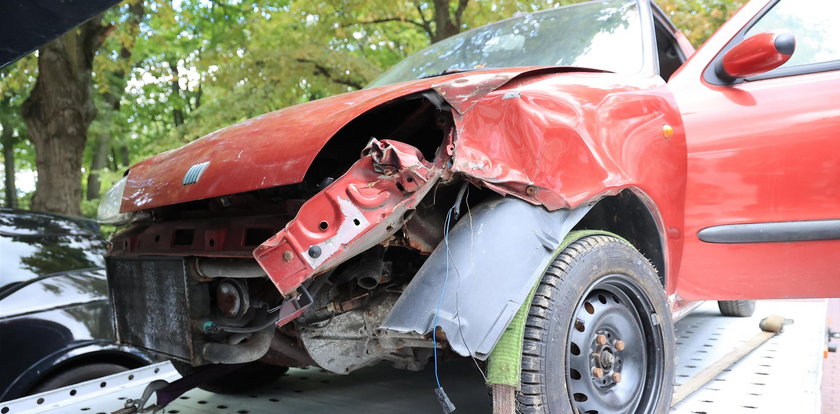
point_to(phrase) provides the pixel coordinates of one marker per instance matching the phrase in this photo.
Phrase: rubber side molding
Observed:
(786, 231)
(495, 258)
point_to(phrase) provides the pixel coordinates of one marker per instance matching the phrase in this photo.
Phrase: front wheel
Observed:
(599, 337)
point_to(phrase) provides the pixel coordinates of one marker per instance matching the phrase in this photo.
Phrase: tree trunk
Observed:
(125, 160)
(58, 112)
(447, 24)
(9, 167)
(99, 158)
(175, 97)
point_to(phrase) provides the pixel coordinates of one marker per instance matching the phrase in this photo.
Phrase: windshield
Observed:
(601, 35)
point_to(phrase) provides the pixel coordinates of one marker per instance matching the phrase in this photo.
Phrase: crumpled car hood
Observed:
(277, 148)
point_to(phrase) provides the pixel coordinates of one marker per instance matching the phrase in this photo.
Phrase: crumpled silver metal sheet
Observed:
(496, 255)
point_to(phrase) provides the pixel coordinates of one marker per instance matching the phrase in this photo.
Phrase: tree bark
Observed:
(446, 23)
(177, 112)
(9, 166)
(58, 112)
(99, 158)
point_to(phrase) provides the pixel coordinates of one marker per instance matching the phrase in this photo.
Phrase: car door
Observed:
(763, 187)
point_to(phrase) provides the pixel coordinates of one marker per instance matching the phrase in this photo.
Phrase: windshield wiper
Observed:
(446, 72)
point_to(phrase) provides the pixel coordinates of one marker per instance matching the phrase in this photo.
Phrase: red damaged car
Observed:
(546, 193)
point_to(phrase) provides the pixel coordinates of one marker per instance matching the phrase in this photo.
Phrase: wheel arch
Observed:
(632, 215)
(68, 359)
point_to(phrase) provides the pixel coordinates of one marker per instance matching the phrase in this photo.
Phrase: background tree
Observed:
(58, 112)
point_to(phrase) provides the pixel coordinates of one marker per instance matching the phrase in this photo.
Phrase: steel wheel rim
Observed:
(614, 330)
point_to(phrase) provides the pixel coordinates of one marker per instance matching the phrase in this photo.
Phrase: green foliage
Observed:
(698, 19)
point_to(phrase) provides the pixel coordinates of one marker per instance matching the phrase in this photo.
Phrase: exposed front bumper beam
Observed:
(360, 209)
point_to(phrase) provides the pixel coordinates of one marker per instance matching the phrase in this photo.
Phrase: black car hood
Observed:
(54, 291)
(25, 25)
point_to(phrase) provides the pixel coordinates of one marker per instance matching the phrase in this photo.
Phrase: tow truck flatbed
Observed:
(783, 375)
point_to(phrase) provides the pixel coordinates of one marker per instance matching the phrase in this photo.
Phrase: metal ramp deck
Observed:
(781, 376)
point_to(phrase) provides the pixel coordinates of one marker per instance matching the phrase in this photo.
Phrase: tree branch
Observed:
(427, 25)
(325, 72)
(459, 12)
(384, 20)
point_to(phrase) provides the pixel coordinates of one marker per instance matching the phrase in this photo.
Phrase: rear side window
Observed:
(814, 23)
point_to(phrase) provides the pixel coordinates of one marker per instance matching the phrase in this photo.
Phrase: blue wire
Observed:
(442, 291)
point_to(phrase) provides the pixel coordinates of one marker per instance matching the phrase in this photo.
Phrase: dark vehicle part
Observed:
(232, 268)
(243, 378)
(370, 270)
(55, 319)
(614, 350)
(166, 305)
(739, 308)
(246, 350)
(26, 25)
(351, 340)
(493, 278)
(78, 374)
(155, 303)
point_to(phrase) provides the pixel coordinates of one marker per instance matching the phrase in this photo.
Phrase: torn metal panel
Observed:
(496, 255)
(357, 211)
(463, 93)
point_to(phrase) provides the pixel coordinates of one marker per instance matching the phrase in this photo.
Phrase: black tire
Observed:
(76, 375)
(240, 380)
(598, 286)
(739, 308)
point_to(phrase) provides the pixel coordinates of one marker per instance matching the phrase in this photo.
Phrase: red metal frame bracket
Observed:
(366, 205)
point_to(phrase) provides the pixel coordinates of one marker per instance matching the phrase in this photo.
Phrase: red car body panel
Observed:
(278, 147)
(758, 152)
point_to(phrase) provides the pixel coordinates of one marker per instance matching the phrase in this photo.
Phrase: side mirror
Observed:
(755, 55)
